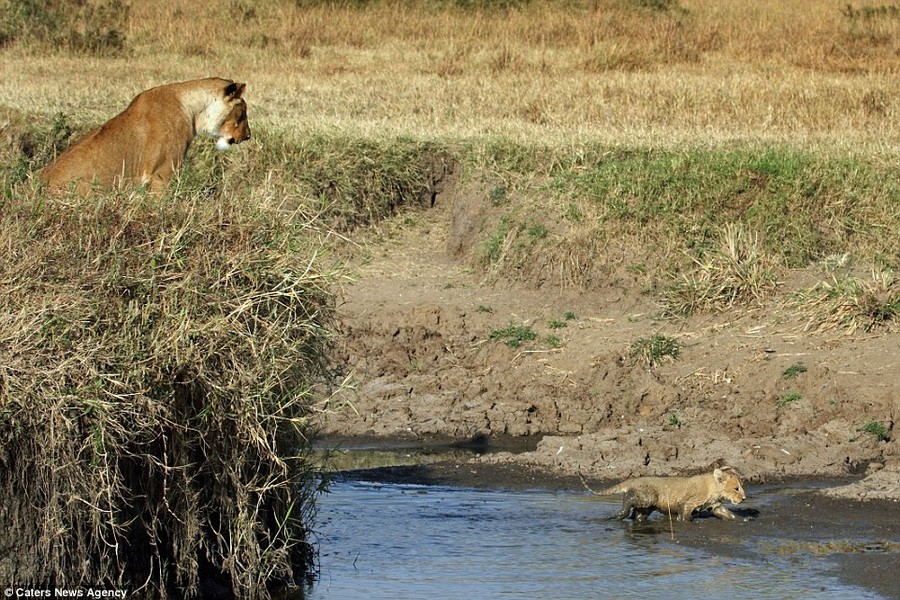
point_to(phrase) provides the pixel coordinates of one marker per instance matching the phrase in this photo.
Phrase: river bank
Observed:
(751, 388)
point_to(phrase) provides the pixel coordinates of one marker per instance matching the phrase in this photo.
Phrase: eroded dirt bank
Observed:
(416, 337)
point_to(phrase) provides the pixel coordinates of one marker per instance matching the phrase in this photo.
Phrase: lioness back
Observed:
(147, 142)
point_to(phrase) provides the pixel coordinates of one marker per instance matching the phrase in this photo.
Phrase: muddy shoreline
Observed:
(859, 539)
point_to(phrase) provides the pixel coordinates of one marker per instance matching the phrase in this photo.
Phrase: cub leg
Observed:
(628, 507)
(723, 513)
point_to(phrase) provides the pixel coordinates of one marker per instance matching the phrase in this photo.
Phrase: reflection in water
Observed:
(412, 542)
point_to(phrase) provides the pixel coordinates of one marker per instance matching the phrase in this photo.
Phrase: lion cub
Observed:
(147, 142)
(677, 496)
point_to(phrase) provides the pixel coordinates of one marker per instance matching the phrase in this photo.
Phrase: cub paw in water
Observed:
(677, 496)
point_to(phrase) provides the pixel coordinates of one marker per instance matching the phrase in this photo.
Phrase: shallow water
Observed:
(421, 542)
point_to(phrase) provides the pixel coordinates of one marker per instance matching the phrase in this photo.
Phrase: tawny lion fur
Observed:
(146, 144)
(678, 497)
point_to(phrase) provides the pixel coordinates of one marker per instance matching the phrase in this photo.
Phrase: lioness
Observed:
(146, 143)
(678, 496)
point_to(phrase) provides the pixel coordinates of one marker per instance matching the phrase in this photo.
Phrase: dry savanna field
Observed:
(654, 73)
(625, 192)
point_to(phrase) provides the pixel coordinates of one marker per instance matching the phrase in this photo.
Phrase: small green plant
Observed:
(493, 247)
(655, 349)
(498, 196)
(514, 334)
(793, 370)
(553, 341)
(573, 213)
(876, 429)
(484, 309)
(675, 420)
(563, 322)
(536, 231)
(788, 398)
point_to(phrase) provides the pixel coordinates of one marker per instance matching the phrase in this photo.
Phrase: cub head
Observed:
(234, 127)
(728, 485)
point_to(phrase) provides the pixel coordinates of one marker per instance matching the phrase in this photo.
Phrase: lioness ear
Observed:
(718, 475)
(234, 90)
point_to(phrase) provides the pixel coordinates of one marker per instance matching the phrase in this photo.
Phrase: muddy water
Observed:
(404, 541)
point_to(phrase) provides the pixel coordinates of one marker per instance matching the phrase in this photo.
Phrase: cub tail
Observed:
(616, 489)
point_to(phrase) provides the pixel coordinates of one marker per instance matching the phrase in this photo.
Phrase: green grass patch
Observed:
(786, 399)
(553, 341)
(735, 273)
(348, 182)
(655, 349)
(803, 206)
(877, 429)
(793, 371)
(536, 231)
(708, 229)
(499, 196)
(562, 322)
(95, 28)
(514, 334)
(493, 247)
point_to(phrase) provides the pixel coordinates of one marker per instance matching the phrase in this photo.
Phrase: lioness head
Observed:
(235, 128)
(225, 119)
(729, 485)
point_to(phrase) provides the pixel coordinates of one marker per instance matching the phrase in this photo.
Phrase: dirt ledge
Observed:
(415, 334)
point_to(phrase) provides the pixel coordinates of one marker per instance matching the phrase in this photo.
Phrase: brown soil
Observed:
(415, 337)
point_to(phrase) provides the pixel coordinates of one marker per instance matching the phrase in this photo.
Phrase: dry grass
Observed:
(711, 71)
(850, 304)
(157, 360)
(735, 273)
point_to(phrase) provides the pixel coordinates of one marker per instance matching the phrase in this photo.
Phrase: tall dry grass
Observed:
(702, 71)
(158, 356)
